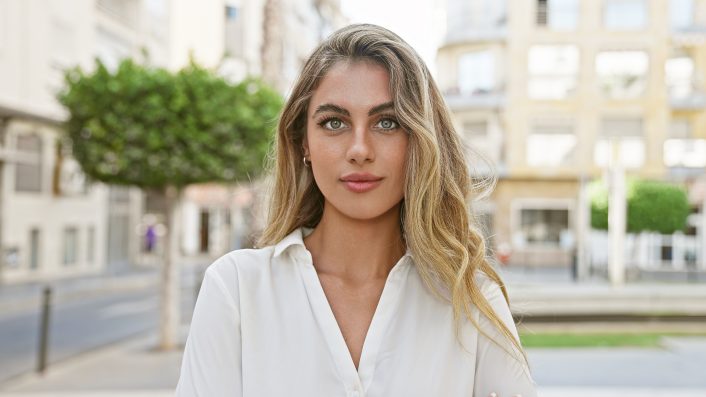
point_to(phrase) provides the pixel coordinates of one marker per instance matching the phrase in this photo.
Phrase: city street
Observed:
(678, 364)
(81, 324)
(106, 341)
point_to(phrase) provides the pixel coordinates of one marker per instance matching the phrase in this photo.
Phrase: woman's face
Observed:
(355, 144)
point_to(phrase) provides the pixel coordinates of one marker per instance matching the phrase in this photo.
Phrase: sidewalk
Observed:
(551, 293)
(135, 369)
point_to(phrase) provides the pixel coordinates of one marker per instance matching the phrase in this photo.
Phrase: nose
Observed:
(361, 148)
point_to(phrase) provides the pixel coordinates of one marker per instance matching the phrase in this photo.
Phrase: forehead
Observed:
(353, 85)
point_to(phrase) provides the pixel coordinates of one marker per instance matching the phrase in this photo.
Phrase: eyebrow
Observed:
(329, 107)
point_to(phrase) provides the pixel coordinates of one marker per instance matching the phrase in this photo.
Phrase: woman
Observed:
(372, 279)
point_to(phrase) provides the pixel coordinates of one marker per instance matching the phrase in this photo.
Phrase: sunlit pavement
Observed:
(136, 369)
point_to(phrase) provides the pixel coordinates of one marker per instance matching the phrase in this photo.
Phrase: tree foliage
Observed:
(651, 206)
(152, 128)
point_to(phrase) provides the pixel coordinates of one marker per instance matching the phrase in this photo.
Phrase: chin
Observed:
(361, 210)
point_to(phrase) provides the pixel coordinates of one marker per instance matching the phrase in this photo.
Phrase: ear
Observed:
(305, 146)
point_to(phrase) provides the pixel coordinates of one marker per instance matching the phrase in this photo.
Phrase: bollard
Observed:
(44, 330)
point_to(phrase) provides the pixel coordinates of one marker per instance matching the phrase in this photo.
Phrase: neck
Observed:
(356, 250)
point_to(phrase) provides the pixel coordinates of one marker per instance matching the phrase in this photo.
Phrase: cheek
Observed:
(325, 155)
(398, 156)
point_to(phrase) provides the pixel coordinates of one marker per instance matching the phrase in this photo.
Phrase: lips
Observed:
(361, 182)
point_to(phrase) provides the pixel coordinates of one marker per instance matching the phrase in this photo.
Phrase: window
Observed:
(157, 8)
(687, 153)
(553, 71)
(551, 144)
(680, 128)
(70, 246)
(681, 149)
(90, 246)
(34, 249)
(681, 14)
(476, 73)
(463, 15)
(4, 23)
(28, 170)
(234, 32)
(119, 194)
(231, 13)
(123, 11)
(111, 49)
(625, 14)
(475, 129)
(70, 180)
(622, 74)
(542, 8)
(544, 226)
(679, 70)
(558, 14)
(623, 138)
(156, 19)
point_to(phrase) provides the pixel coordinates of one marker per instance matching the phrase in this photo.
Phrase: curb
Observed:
(30, 384)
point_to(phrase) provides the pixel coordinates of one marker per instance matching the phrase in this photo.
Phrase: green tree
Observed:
(651, 206)
(159, 130)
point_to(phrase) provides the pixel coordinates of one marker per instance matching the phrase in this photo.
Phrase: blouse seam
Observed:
(222, 286)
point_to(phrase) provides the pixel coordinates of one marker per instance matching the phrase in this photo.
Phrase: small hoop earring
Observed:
(305, 164)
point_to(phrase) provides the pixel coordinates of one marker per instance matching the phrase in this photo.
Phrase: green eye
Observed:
(334, 124)
(388, 124)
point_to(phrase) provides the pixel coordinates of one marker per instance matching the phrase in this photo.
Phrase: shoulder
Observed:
(493, 294)
(487, 286)
(228, 269)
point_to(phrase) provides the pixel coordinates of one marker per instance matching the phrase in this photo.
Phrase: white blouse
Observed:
(262, 326)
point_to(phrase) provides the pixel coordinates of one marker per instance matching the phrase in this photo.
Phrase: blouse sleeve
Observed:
(496, 370)
(211, 365)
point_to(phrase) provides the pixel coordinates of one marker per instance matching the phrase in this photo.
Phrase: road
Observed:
(679, 364)
(80, 325)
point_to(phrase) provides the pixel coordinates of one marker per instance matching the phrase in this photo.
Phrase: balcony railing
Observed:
(687, 95)
(693, 35)
(125, 12)
(476, 35)
(685, 153)
(479, 99)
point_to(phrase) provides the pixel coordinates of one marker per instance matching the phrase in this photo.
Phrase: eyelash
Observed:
(321, 123)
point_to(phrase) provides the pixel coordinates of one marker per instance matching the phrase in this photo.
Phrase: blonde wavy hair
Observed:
(436, 220)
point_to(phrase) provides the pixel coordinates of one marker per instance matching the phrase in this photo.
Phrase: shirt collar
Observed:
(296, 237)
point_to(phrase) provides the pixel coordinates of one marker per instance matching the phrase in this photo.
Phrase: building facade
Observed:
(550, 91)
(52, 223)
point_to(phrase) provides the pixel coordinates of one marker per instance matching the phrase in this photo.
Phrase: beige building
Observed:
(52, 224)
(549, 90)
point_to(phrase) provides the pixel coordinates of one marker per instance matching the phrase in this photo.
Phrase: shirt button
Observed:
(354, 393)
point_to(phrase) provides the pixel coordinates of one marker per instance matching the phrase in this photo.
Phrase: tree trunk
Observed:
(169, 286)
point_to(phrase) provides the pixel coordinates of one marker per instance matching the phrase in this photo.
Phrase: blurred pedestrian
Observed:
(370, 280)
(150, 238)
